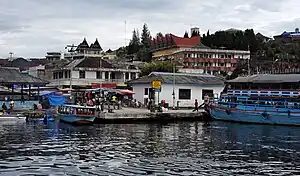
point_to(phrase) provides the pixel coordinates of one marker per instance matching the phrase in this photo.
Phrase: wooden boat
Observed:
(77, 114)
(38, 116)
(12, 117)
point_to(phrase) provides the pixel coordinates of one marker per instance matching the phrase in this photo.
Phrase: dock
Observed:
(134, 115)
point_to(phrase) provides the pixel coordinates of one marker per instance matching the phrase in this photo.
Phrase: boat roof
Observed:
(268, 78)
(78, 106)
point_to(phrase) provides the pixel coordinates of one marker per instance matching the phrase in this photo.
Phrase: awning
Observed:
(126, 92)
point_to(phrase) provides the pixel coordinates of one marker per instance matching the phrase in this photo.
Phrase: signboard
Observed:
(156, 84)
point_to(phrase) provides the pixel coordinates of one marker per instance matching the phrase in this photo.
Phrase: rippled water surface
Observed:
(149, 149)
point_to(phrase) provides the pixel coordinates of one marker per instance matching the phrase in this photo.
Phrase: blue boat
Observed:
(264, 99)
(76, 114)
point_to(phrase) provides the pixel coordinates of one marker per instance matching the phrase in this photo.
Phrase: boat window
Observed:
(274, 92)
(264, 86)
(275, 86)
(286, 86)
(254, 86)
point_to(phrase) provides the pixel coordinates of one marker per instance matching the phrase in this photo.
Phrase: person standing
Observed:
(196, 106)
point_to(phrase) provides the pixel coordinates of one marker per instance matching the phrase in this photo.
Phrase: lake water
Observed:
(216, 148)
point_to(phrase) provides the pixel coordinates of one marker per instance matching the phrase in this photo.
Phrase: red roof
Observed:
(186, 42)
(175, 41)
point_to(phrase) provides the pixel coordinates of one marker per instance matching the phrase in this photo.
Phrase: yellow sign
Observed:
(156, 84)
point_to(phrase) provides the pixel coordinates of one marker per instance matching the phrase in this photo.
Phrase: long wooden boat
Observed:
(264, 99)
(76, 114)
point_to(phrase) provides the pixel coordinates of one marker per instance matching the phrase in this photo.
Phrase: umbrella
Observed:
(126, 92)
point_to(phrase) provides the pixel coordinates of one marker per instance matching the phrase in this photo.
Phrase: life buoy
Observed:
(228, 111)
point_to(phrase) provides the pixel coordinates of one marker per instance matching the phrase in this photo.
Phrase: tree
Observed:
(159, 34)
(186, 35)
(134, 44)
(145, 37)
(157, 66)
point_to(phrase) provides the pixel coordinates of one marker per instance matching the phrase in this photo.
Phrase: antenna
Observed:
(125, 34)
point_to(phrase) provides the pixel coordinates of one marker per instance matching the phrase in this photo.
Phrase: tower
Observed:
(195, 30)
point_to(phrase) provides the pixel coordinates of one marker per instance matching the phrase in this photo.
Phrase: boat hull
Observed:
(269, 116)
(81, 120)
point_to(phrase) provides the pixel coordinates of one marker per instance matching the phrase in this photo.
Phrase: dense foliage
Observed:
(157, 66)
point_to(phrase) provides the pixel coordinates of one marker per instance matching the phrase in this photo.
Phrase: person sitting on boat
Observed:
(11, 105)
(4, 108)
(91, 102)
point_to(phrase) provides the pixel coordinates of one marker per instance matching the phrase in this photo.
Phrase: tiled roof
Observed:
(180, 78)
(268, 78)
(94, 62)
(186, 42)
(14, 76)
(171, 40)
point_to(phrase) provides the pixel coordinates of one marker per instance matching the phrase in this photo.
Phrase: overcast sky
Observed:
(30, 28)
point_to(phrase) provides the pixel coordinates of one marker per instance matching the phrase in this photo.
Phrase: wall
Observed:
(75, 74)
(167, 90)
(139, 89)
(90, 75)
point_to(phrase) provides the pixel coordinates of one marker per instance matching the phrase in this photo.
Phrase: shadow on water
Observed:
(215, 148)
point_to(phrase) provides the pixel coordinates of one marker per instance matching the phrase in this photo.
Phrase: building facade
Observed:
(185, 88)
(193, 57)
(93, 72)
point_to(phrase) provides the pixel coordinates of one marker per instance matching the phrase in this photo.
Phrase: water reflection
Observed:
(140, 149)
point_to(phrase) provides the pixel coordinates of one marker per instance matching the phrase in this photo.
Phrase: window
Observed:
(81, 74)
(126, 75)
(146, 92)
(61, 75)
(184, 94)
(106, 75)
(210, 93)
(98, 75)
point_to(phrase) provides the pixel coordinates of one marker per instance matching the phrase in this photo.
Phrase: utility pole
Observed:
(173, 94)
(249, 71)
(72, 52)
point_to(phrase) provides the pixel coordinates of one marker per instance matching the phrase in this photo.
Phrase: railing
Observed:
(281, 71)
(85, 81)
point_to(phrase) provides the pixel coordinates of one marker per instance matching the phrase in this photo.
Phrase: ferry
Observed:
(76, 114)
(264, 99)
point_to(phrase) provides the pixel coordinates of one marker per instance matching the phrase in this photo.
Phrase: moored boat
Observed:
(265, 99)
(76, 114)
(12, 117)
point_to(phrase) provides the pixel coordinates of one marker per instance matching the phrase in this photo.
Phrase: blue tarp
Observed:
(56, 100)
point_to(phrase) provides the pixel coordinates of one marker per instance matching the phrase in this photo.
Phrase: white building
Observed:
(187, 88)
(93, 72)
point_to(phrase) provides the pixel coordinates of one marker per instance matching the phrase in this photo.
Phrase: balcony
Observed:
(84, 82)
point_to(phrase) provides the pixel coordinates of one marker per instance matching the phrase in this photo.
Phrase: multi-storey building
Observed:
(193, 57)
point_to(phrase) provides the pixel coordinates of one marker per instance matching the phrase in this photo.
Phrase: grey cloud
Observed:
(30, 27)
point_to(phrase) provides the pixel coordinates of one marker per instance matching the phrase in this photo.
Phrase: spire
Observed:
(96, 45)
(83, 45)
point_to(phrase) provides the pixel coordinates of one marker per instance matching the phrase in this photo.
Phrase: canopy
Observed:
(56, 100)
(126, 92)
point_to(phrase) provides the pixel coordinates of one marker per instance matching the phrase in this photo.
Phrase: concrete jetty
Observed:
(134, 115)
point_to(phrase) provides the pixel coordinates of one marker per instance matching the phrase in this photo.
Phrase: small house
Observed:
(177, 89)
